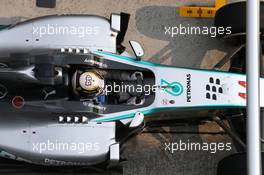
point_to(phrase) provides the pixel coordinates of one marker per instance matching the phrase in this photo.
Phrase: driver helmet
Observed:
(88, 83)
(91, 81)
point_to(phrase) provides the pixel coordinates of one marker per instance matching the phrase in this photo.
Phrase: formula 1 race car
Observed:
(68, 88)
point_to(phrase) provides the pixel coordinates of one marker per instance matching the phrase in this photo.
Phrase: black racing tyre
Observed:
(234, 164)
(234, 16)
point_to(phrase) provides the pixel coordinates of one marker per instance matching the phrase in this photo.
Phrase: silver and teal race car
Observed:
(67, 86)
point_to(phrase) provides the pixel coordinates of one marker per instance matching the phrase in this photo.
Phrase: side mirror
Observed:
(137, 120)
(116, 22)
(137, 49)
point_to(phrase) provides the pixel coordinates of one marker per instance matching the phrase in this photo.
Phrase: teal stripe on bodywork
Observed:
(147, 63)
(146, 112)
(150, 111)
(132, 59)
(2, 27)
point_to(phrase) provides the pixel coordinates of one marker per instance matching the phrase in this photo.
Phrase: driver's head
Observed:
(91, 81)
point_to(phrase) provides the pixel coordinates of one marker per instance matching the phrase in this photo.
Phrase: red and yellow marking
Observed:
(202, 12)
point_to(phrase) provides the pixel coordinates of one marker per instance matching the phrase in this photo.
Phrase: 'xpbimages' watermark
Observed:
(138, 88)
(212, 147)
(80, 31)
(196, 30)
(76, 147)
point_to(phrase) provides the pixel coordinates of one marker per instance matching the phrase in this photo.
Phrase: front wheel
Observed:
(233, 17)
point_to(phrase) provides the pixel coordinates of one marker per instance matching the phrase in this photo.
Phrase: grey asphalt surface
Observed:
(146, 152)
